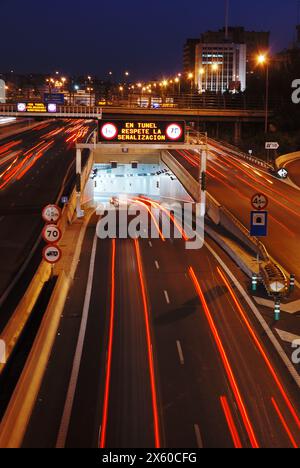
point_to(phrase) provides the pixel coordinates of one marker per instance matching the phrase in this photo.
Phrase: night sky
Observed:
(144, 37)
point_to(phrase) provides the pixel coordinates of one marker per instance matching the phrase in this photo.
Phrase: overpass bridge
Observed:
(39, 109)
(193, 111)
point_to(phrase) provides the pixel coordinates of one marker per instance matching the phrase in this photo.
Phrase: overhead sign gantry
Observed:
(139, 131)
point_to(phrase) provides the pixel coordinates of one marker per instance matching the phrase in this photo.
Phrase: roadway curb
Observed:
(15, 421)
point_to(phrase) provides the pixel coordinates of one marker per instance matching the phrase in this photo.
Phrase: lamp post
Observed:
(201, 74)
(263, 60)
(215, 68)
(191, 77)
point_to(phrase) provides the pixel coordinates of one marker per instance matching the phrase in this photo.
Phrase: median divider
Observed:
(16, 418)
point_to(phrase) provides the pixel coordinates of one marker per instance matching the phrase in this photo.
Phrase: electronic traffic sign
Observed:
(141, 131)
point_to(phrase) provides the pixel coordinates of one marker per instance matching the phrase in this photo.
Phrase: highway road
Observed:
(157, 347)
(233, 182)
(33, 167)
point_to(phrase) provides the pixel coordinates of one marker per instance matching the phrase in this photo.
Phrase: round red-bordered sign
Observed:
(51, 213)
(174, 131)
(259, 201)
(52, 234)
(52, 254)
(109, 131)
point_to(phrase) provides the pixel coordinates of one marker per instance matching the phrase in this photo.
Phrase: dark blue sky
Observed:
(145, 37)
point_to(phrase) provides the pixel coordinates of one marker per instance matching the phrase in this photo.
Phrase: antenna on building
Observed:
(226, 18)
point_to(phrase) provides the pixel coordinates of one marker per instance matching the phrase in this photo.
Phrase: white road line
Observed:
(65, 422)
(157, 265)
(287, 337)
(150, 243)
(167, 297)
(180, 352)
(198, 436)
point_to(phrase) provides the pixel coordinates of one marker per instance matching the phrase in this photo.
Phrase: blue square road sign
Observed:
(259, 224)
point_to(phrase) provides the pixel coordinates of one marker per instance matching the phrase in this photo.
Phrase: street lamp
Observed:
(89, 89)
(263, 60)
(201, 74)
(177, 80)
(215, 68)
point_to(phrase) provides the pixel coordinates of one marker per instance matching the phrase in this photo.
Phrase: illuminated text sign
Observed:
(125, 131)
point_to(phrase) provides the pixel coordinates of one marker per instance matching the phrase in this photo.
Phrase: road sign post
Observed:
(52, 254)
(259, 201)
(292, 282)
(52, 234)
(282, 173)
(51, 214)
(254, 282)
(277, 310)
(272, 145)
(259, 224)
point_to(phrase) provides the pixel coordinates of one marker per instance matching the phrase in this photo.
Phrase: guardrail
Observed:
(188, 101)
(241, 154)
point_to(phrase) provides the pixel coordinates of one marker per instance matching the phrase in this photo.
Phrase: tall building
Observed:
(220, 67)
(189, 55)
(2, 92)
(221, 62)
(256, 41)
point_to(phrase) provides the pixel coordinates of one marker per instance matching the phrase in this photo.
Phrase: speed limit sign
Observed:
(259, 201)
(52, 234)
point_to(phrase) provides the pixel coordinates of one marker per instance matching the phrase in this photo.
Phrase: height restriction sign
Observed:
(259, 201)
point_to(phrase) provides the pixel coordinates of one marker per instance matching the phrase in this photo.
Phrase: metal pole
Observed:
(226, 18)
(277, 310)
(267, 100)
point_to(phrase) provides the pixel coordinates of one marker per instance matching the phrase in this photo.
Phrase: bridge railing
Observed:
(189, 101)
(63, 111)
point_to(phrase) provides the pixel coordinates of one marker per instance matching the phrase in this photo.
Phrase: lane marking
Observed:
(150, 243)
(180, 352)
(286, 336)
(290, 308)
(259, 317)
(260, 348)
(157, 264)
(167, 297)
(227, 367)
(66, 417)
(198, 436)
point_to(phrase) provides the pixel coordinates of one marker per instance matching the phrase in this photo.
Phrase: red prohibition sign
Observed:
(259, 201)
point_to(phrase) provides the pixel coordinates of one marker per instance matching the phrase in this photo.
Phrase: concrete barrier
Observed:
(223, 217)
(16, 418)
(185, 178)
(11, 333)
(286, 158)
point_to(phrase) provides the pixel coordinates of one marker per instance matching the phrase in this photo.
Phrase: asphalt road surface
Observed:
(171, 356)
(33, 168)
(233, 182)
